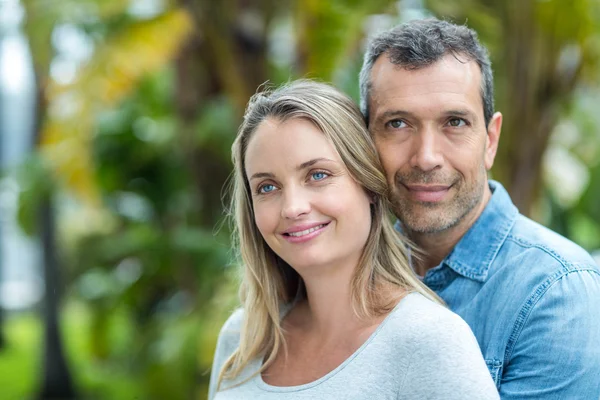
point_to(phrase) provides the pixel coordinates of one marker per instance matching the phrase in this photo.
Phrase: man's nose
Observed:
(426, 152)
(296, 202)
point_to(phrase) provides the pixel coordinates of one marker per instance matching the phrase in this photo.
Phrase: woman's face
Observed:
(306, 205)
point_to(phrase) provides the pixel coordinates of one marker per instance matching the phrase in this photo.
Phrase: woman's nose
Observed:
(296, 202)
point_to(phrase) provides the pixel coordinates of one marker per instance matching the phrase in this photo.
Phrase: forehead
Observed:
(447, 83)
(277, 144)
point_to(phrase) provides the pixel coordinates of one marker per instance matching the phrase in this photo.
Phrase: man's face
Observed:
(430, 132)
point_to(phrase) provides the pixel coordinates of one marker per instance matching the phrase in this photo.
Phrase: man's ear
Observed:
(493, 136)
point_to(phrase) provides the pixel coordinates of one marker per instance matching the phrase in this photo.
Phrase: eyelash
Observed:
(327, 175)
(260, 188)
(389, 123)
(466, 123)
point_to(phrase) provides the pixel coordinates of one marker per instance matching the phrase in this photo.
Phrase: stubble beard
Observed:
(430, 218)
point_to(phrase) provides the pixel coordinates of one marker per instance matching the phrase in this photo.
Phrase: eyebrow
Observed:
(298, 168)
(311, 162)
(393, 113)
(459, 113)
(401, 113)
(262, 175)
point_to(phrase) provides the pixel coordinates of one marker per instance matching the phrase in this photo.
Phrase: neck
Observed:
(327, 311)
(437, 245)
(329, 303)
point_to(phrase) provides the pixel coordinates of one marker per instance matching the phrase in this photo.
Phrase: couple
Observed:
(337, 304)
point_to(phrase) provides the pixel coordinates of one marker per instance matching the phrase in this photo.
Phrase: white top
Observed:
(421, 350)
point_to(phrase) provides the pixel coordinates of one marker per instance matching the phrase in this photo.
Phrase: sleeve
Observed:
(447, 364)
(227, 343)
(554, 351)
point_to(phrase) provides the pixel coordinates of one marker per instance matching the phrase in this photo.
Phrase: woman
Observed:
(331, 308)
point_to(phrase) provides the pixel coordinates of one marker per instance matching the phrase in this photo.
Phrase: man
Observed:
(531, 296)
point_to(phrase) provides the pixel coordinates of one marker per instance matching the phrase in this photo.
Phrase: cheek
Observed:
(392, 158)
(465, 156)
(265, 218)
(468, 161)
(362, 223)
(357, 211)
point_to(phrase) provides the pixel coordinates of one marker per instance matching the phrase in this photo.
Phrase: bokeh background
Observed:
(116, 121)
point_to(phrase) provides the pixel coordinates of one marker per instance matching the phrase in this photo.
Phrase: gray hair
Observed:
(420, 43)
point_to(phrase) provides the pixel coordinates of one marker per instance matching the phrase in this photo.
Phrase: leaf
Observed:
(112, 74)
(42, 16)
(329, 31)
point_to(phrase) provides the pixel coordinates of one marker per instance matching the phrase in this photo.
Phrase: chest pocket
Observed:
(495, 368)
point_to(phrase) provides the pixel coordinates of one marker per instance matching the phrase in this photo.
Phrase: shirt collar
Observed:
(477, 249)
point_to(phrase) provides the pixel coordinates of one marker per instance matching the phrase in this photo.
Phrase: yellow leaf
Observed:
(114, 71)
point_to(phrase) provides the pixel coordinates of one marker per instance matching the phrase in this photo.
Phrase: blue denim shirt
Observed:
(532, 298)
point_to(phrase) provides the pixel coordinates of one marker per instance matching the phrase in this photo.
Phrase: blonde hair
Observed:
(269, 282)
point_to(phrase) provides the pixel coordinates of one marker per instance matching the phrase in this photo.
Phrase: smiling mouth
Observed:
(306, 231)
(427, 193)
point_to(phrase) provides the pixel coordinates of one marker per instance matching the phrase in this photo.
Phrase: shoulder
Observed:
(534, 259)
(543, 284)
(234, 322)
(227, 343)
(436, 321)
(421, 312)
(229, 337)
(430, 324)
(548, 246)
(445, 360)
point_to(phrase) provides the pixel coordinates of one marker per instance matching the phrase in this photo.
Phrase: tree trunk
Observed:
(518, 172)
(56, 382)
(56, 379)
(2, 138)
(533, 95)
(225, 56)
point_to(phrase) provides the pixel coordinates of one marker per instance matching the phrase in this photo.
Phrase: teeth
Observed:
(306, 232)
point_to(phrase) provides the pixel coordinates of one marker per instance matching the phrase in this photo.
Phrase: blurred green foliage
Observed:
(137, 146)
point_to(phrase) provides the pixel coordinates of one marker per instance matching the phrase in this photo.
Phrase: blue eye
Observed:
(319, 176)
(266, 188)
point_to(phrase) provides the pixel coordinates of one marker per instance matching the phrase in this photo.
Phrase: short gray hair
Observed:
(417, 44)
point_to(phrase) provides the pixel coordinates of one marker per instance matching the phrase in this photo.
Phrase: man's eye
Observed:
(396, 124)
(457, 122)
(319, 176)
(266, 188)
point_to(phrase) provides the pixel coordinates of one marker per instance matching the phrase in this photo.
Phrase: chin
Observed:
(427, 223)
(305, 263)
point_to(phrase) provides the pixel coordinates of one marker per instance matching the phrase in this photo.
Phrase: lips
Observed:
(427, 193)
(305, 232)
